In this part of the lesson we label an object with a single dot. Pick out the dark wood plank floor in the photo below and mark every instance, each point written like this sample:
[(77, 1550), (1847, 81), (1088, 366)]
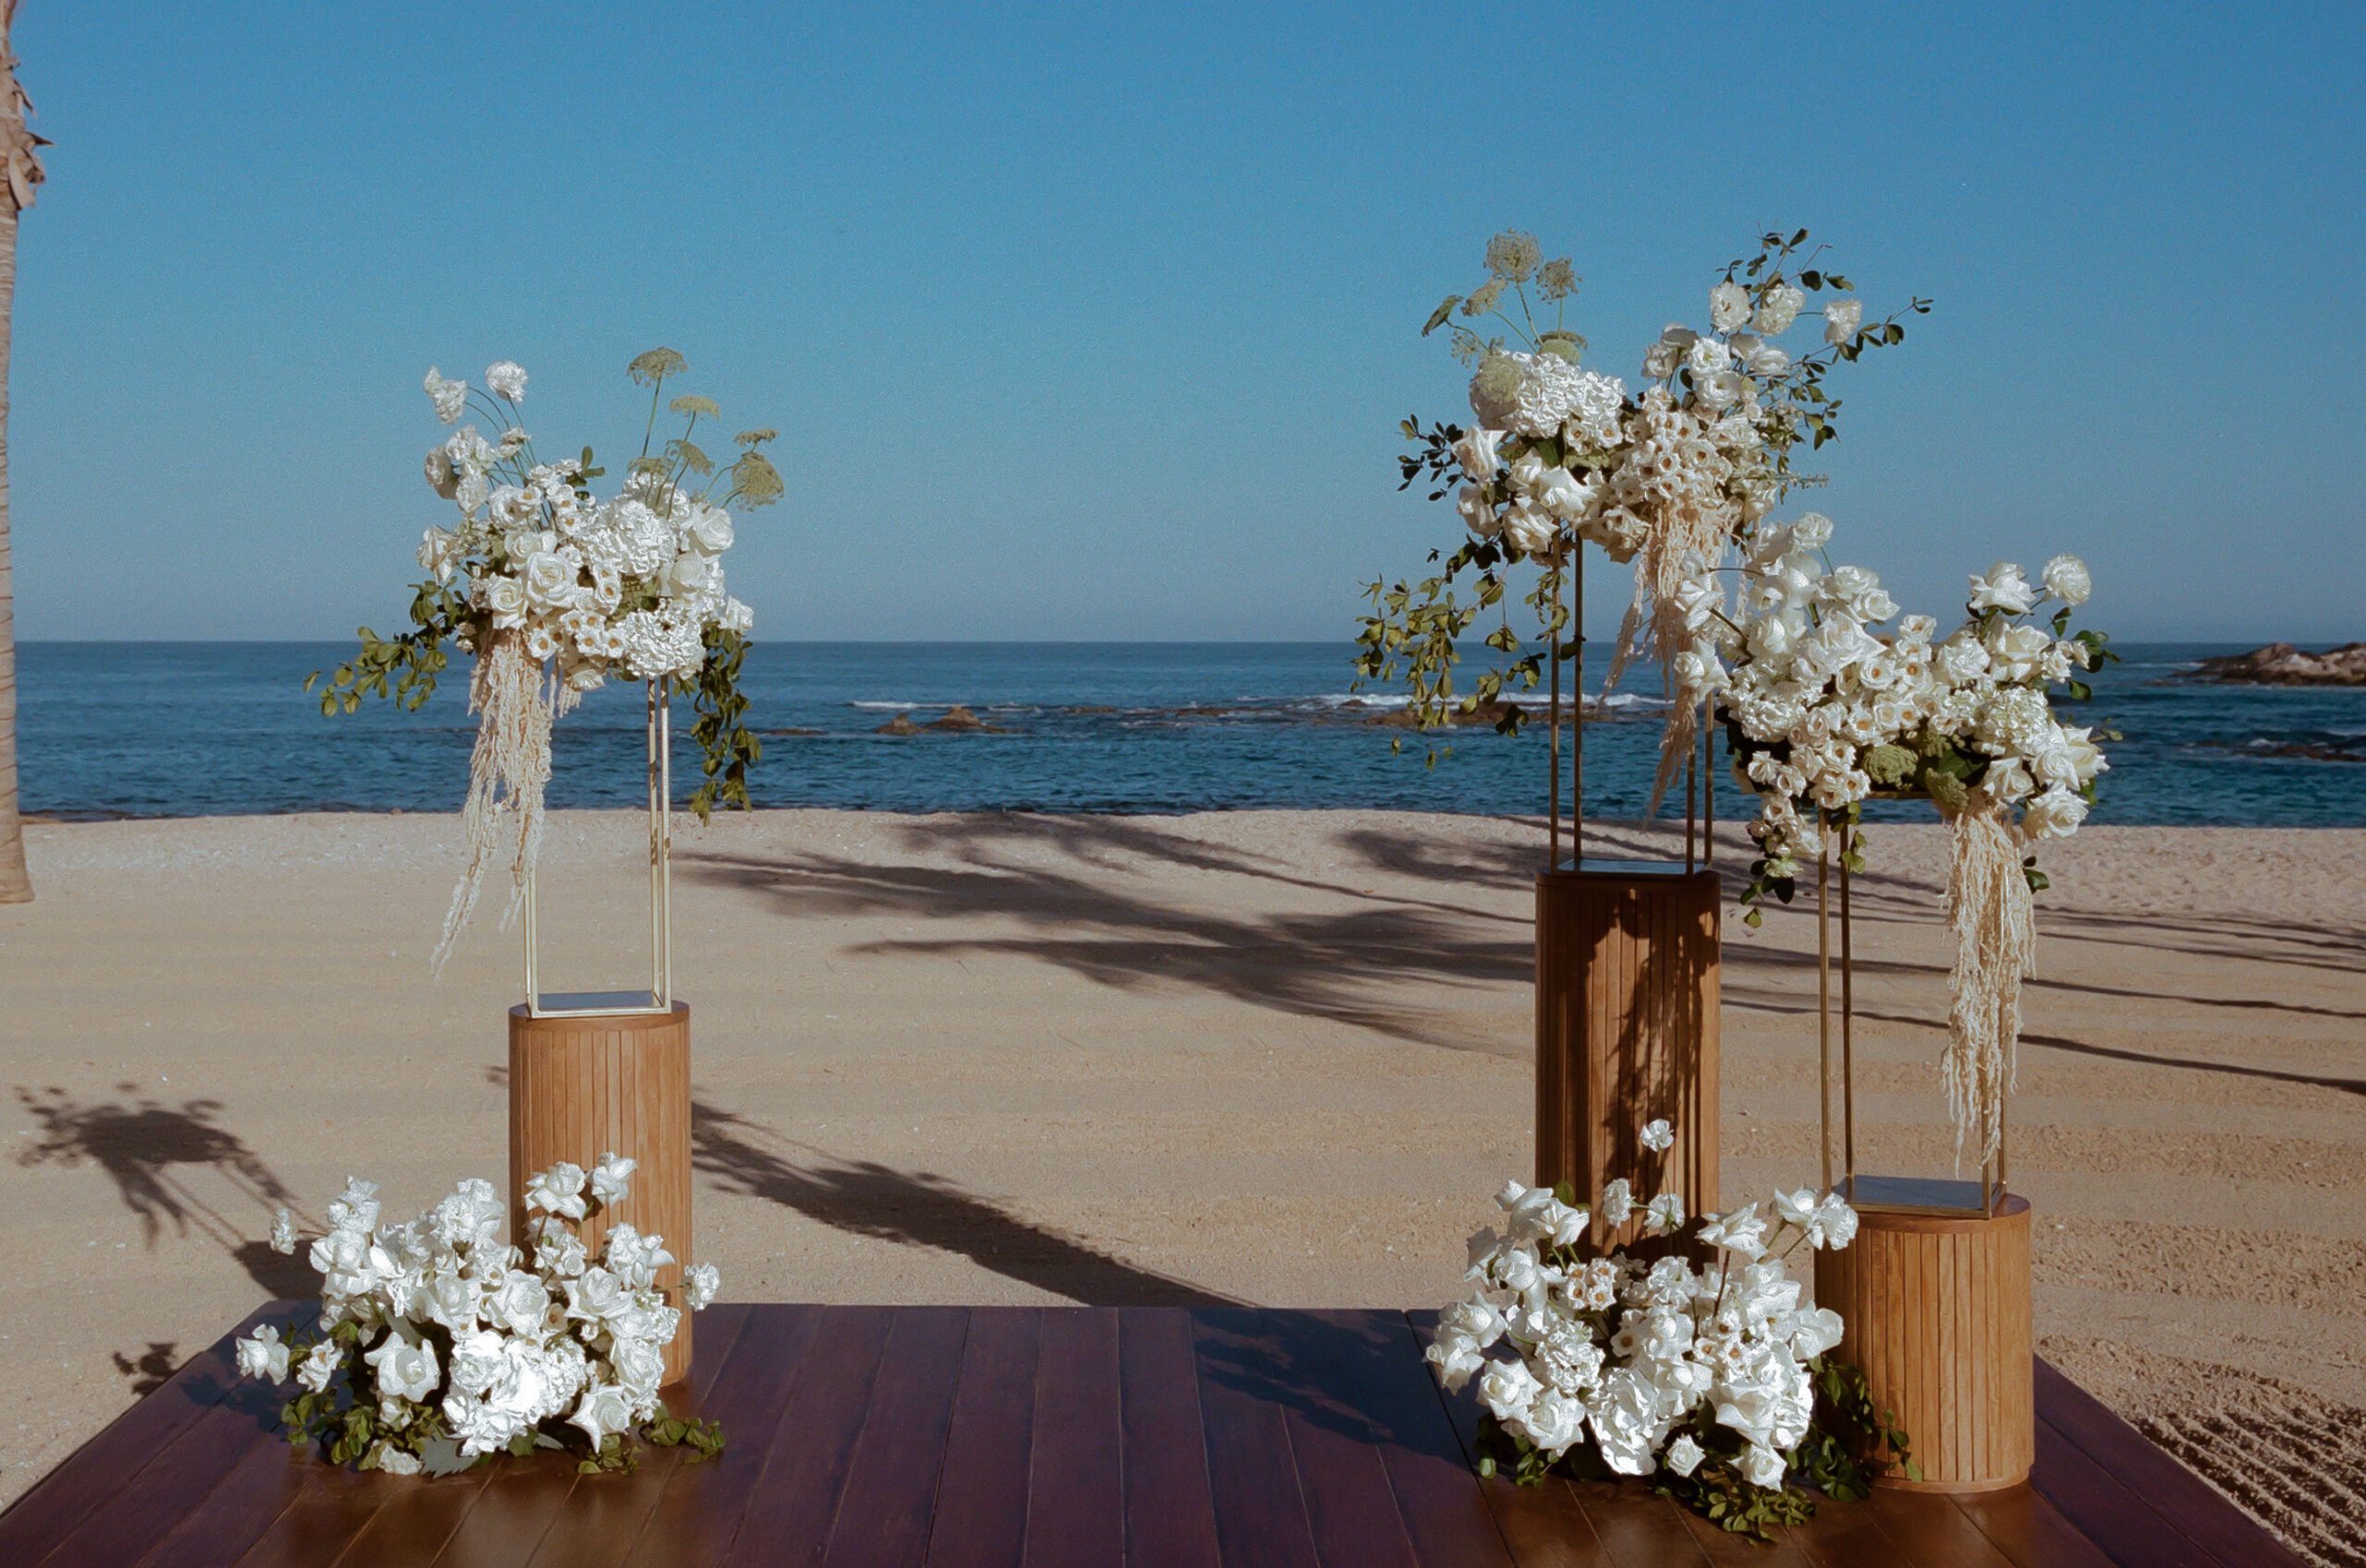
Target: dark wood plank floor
[(1026, 1438)]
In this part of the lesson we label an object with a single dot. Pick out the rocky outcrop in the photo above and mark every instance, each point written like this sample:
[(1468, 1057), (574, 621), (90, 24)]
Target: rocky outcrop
[(2280, 663), (956, 720)]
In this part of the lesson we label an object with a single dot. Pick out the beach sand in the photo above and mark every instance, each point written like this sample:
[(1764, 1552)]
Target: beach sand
[(1273, 1057)]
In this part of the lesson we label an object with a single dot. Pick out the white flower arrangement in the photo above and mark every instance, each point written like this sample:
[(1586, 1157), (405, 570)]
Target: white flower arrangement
[(453, 1348), (1825, 707), (1716, 1379), (1560, 456), (555, 591)]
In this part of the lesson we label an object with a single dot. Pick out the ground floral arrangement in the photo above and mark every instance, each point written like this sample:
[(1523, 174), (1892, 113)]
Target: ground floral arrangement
[(437, 1348), (554, 592), (1559, 455), (1713, 1380), (1825, 707)]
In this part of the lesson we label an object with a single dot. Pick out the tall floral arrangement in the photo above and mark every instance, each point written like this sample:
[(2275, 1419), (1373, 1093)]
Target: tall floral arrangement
[(554, 591), (439, 1343), (1715, 1378), (1663, 475), (1830, 697)]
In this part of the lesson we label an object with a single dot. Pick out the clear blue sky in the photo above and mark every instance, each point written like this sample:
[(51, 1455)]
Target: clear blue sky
[(1096, 323)]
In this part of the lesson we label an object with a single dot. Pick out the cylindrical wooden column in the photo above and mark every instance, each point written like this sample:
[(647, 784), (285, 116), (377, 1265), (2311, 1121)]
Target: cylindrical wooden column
[(1935, 1309), (1627, 987), (581, 1087)]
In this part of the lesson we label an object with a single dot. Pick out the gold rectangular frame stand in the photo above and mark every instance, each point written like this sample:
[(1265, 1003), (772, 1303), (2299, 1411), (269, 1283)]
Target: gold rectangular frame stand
[(659, 997), (1889, 1195)]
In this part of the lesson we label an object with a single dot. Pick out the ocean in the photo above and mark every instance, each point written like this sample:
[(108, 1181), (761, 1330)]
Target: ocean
[(165, 729)]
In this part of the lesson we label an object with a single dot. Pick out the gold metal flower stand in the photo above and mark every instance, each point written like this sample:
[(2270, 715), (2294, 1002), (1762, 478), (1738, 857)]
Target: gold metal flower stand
[(1626, 994), (592, 1072), (1933, 1294)]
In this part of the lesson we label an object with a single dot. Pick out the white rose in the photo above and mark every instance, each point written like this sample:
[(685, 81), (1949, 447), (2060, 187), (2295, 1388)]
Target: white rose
[(1456, 1358), (1841, 319), (1665, 1215), (1561, 494), (1479, 512), (319, 1367), (1509, 1389), (1706, 357), (1555, 1422), (1779, 310), (2066, 579), (1812, 531), (507, 379), (605, 1409), (709, 531), (1476, 452), (521, 1304), (550, 579), (1814, 1331), (2016, 651), (442, 477), (1728, 307), (1720, 389), (1762, 1467), (596, 1295), (439, 551), (1617, 1202), (1530, 531), (558, 1190), (405, 1362), (394, 1460), (1657, 1135), (1683, 1456), (2054, 814), (2003, 588), (698, 1286), (736, 616), (611, 1177), (1761, 358), (262, 1355)]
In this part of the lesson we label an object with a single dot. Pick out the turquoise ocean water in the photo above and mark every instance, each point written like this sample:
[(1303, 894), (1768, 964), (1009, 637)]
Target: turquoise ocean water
[(163, 729)]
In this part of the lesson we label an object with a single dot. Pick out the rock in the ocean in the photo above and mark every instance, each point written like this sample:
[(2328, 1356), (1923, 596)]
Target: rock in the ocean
[(960, 718), (900, 724), (2280, 663)]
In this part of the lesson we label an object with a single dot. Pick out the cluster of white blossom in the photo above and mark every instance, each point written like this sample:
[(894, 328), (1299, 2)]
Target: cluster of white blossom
[(447, 1317), (1658, 1364), (1560, 453), (1832, 707), (631, 583)]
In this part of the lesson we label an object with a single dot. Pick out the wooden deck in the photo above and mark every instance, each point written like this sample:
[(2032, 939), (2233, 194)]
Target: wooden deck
[(1087, 1436)]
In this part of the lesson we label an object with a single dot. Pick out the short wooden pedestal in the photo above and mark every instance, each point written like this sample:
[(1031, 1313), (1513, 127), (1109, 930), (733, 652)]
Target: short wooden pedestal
[(580, 1088), (1936, 1310), (1627, 987)]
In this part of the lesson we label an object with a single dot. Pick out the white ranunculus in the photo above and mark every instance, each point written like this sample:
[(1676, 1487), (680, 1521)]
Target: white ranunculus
[(1730, 307), (507, 379), (450, 397), (1707, 357), (2066, 579), (405, 1362), (2003, 587), (2056, 813), (1841, 319), (261, 1355)]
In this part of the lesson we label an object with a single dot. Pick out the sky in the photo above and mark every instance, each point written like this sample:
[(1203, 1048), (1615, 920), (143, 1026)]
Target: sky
[(1097, 323)]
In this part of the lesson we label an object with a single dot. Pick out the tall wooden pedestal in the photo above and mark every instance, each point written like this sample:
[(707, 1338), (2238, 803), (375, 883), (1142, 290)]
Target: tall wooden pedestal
[(582, 1087), (1627, 987), (1936, 1310)]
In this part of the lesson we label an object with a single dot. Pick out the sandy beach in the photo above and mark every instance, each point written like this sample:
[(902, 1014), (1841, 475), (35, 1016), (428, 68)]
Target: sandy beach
[(1272, 1057)]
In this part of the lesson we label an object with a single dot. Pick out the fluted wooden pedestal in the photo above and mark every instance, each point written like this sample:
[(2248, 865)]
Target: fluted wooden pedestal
[(1936, 1310), (580, 1088), (1627, 987)]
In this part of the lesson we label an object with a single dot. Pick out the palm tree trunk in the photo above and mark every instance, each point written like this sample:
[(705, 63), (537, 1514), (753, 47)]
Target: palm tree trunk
[(22, 173)]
